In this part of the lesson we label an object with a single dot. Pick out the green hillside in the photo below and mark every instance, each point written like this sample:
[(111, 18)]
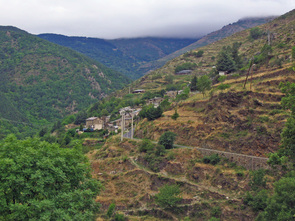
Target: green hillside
[(124, 55), (44, 81)]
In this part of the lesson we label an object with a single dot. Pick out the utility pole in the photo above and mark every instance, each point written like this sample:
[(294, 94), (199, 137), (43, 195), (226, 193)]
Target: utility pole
[(250, 66), (122, 124), (132, 126)]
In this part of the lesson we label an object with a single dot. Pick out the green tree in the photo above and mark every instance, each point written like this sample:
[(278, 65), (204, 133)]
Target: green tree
[(168, 79), (150, 112), (80, 118), (235, 54), (204, 84), (281, 205), (168, 196), (104, 113), (225, 62), (167, 139), (286, 154), (193, 85), (293, 53), (111, 210), (41, 181), (175, 115), (255, 33), (199, 53)]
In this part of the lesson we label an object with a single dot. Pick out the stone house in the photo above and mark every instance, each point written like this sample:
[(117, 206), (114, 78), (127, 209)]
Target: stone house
[(95, 123), (171, 94), (156, 101)]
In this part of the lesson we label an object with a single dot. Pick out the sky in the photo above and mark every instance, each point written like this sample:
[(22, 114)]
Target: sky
[(133, 18)]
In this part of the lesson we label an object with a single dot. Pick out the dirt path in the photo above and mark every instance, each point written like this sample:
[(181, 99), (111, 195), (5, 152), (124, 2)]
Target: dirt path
[(199, 186)]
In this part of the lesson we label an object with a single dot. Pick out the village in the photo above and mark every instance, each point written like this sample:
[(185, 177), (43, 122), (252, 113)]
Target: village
[(128, 115)]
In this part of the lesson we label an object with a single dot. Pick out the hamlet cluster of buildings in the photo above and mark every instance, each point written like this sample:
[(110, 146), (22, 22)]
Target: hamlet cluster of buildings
[(101, 123)]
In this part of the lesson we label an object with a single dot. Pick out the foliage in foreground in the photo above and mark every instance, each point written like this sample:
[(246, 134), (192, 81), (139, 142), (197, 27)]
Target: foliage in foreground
[(41, 181)]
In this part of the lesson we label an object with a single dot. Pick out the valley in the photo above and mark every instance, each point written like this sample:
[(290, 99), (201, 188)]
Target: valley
[(213, 126)]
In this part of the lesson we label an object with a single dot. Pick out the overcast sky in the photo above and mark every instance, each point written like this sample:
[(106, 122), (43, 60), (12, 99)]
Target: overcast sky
[(133, 18)]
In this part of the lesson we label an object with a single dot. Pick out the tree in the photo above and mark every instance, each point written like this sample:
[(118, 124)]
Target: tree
[(175, 115), (255, 33), (80, 118), (204, 84), (281, 205), (150, 112), (293, 53), (168, 197), (193, 85), (199, 53), (225, 62), (287, 148), (167, 139), (41, 181)]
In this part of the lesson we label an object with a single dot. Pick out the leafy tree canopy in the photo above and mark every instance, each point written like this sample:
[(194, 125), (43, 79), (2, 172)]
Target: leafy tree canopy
[(255, 33), (167, 139), (204, 84), (168, 197), (281, 205), (225, 60), (41, 181), (150, 112)]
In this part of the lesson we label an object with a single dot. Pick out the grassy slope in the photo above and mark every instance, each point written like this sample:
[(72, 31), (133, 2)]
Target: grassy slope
[(240, 120), (236, 119)]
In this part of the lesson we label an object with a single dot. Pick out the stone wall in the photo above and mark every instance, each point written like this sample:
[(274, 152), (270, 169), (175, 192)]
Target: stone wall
[(247, 161)]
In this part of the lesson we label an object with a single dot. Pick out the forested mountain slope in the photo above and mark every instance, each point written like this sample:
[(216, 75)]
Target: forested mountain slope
[(124, 55), (42, 82)]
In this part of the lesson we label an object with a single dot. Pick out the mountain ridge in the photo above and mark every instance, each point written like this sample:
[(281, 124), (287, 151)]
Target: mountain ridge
[(123, 54), (45, 81)]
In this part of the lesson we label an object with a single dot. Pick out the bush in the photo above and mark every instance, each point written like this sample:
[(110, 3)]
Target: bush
[(168, 197), (212, 159), (111, 210), (167, 139), (221, 78), (175, 115), (119, 217), (255, 33), (150, 112), (216, 211), (223, 86), (256, 202), (146, 146), (258, 180)]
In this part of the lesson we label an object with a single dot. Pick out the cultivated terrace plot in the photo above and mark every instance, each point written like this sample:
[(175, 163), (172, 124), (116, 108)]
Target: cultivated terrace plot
[(132, 181)]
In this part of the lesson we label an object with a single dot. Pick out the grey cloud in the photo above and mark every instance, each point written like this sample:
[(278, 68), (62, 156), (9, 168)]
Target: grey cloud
[(133, 18)]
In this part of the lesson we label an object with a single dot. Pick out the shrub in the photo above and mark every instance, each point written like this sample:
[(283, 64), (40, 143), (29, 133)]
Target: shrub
[(212, 159), (255, 33), (257, 179), (150, 112), (146, 145), (216, 211), (175, 115), (256, 202), (119, 217), (168, 197), (167, 139), (111, 210), (223, 86), (221, 78)]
